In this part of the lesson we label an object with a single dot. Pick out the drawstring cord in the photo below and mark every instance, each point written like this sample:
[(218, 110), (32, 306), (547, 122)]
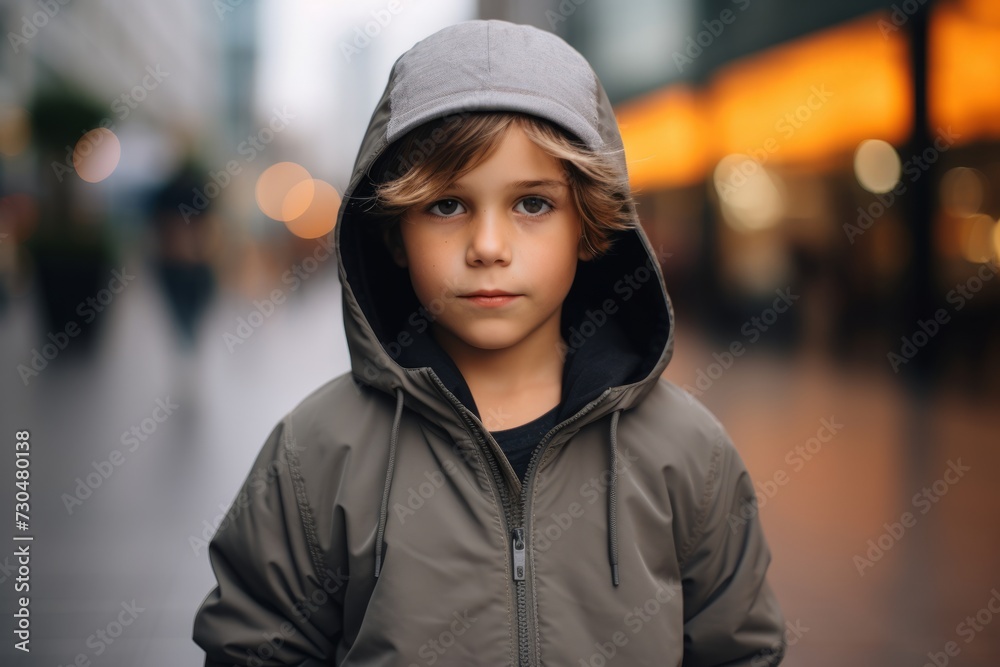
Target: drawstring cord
[(613, 501), (388, 481), (612, 492)]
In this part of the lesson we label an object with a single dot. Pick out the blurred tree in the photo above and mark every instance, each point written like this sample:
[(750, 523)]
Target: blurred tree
[(72, 249)]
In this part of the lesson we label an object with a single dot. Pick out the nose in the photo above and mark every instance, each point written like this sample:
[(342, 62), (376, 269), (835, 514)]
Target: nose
[(489, 240)]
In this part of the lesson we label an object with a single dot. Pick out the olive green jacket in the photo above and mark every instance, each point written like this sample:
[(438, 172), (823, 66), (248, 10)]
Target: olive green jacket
[(381, 523)]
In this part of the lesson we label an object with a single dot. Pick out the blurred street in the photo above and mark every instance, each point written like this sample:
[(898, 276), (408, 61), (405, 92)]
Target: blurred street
[(137, 535), (818, 180), (137, 538)]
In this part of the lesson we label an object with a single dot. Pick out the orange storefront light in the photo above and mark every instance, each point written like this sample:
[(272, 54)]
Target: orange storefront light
[(666, 139), (964, 64), (810, 101)]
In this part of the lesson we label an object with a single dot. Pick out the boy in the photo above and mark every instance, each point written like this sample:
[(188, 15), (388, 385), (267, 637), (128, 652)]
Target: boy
[(504, 478)]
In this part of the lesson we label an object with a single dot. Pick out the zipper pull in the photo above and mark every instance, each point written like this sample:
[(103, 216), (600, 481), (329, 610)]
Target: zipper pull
[(517, 544)]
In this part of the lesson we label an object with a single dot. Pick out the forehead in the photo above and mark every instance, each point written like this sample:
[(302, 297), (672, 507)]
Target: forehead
[(516, 160)]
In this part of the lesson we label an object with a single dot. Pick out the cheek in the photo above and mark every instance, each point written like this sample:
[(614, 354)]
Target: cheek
[(556, 257), (425, 278), (427, 264)]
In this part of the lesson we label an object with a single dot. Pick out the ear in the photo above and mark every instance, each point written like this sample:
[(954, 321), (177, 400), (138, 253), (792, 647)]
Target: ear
[(394, 244), (583, 252)]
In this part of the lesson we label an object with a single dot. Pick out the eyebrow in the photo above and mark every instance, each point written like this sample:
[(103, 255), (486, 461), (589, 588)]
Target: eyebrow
[(549, 183), (523, 185)]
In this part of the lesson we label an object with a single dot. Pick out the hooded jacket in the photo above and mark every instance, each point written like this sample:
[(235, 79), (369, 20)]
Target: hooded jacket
[(381, 523)]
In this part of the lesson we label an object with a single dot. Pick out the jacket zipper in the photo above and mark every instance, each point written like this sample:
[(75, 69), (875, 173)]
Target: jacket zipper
[(523, 511), (500, 485), (514, 516)]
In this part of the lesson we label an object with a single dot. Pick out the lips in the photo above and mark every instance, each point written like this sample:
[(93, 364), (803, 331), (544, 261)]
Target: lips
[(489, 292), (490, 298)]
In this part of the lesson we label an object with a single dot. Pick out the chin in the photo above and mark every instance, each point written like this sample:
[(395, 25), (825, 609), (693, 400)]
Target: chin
[(488, 342), (491, 337)]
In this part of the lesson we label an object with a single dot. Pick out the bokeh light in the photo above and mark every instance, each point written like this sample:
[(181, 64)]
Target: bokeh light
[(877, 165), (298, 199), (274, 186), (962, 191), (310, 209), (97, 154), (749, 195), (979, 238), (15, 130)]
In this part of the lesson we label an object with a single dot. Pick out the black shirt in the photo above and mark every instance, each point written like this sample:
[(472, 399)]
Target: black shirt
[(604, 359), (519, 443)]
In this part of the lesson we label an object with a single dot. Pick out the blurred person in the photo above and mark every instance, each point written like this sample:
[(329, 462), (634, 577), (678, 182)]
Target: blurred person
[(504, 477), (185, 239)]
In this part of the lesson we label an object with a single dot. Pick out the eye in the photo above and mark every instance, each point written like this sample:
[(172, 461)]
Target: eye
[(446, 208), (533, 206)]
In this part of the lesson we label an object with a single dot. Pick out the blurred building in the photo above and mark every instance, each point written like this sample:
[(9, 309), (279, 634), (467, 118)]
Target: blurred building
[(849, 149)]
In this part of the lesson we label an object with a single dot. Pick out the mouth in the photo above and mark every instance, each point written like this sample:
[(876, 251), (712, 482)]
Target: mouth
[(489, 292), (490, 298)]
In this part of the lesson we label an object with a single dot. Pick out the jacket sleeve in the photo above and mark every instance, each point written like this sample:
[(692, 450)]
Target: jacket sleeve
[(731, 616), (275, 602)]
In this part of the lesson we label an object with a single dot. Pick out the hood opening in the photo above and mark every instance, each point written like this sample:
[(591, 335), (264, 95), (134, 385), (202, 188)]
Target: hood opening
[(616, 322)]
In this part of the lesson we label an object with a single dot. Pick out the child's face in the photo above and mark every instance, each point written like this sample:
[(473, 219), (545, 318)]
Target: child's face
[(495, 230)]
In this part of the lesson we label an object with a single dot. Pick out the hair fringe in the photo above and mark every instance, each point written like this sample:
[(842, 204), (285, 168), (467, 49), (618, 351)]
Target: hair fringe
[(436, 154)]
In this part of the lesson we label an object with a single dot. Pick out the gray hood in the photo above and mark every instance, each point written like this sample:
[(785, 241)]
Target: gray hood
[(617, 319)]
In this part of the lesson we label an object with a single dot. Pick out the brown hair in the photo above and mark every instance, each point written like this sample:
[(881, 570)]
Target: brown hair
[(436, 154)]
